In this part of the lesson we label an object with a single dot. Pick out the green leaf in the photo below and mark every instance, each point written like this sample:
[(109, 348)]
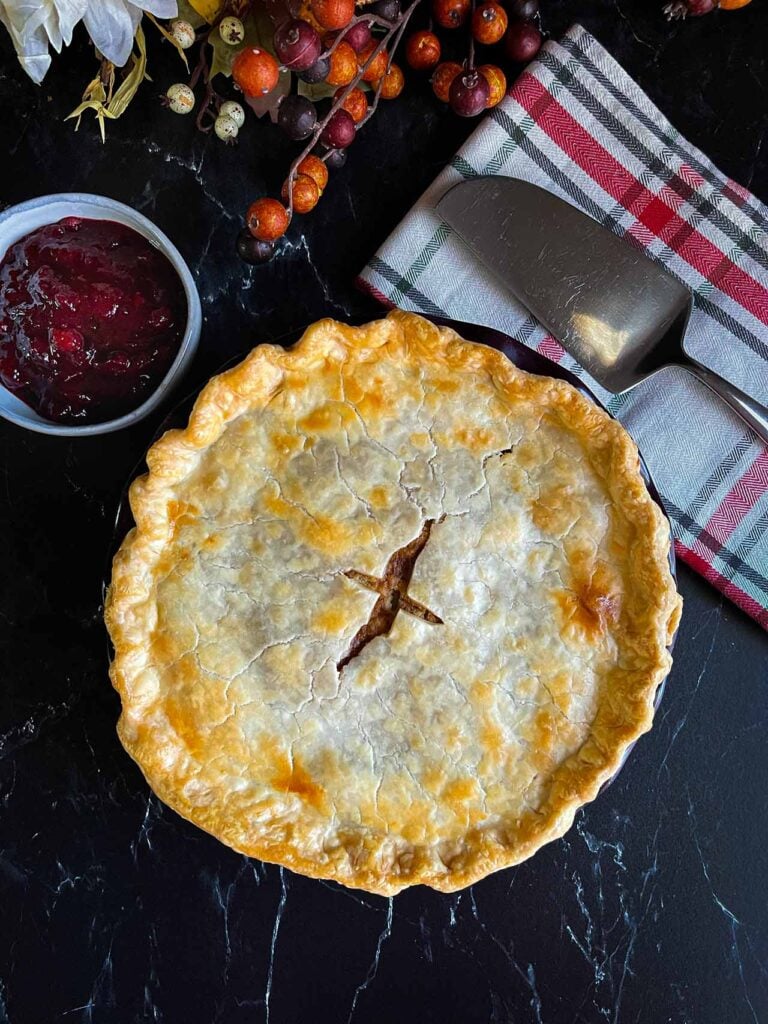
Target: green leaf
[(316, 90)]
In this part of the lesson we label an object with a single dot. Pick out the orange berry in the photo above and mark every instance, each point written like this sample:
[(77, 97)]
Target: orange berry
[(255, 71), (450, 13), (392, 84), (422, 51), (489, 23), (333, 14), (305, 193), (315, 169), (355, 104), (497, 82), (442, 78), (377, 67), (343, 65), (733, 5), (267, 219)]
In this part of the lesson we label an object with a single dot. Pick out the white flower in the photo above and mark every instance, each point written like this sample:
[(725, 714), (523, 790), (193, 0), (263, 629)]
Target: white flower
[(111, 24)]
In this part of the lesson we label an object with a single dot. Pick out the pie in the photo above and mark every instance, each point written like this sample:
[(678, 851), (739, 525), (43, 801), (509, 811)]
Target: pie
[(392, 609)]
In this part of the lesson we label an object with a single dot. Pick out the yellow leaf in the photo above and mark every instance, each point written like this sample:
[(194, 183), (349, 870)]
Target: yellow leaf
[(174, 42), (95, 97), (211, 10), (132, 80)]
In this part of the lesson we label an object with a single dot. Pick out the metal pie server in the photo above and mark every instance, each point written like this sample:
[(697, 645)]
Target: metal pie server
[(618, 313)]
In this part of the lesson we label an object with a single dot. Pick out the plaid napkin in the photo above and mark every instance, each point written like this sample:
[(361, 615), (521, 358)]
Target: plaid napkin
[(576, 124)]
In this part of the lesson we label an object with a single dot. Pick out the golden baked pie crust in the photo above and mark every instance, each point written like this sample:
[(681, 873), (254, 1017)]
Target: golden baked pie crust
[(449, 747)]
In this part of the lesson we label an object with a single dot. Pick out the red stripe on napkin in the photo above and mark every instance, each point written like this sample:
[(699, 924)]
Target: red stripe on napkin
[(650, 210)]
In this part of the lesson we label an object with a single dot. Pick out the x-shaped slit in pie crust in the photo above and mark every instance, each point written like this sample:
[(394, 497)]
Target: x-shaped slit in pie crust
[(392, 589)]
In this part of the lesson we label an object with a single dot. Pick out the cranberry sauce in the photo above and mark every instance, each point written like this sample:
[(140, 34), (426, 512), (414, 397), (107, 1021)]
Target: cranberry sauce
[(91, 317)]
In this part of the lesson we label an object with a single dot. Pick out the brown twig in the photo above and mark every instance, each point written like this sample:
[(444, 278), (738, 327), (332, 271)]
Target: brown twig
[(211, 98)]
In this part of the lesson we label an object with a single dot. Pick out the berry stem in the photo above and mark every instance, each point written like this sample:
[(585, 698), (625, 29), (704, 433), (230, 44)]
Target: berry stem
[(394, 29), (471, 55), (212, 99)]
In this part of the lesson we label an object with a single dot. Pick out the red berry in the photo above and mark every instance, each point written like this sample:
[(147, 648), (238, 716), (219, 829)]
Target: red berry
[(522, 41), (378, 66), (343, 65), (468, 94), (297, 44), (355, 104), (450, 13), (392, 83), (267, 219), (333, 13), (305, 193), (489, 23), (340, 131), (255, 71), (422, 51), (497, 82), (443, 77), (358, 36), (315, 169)]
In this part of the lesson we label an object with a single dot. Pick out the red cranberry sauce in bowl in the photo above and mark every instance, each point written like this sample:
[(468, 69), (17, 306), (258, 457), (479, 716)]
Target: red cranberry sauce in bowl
[(91, 318)]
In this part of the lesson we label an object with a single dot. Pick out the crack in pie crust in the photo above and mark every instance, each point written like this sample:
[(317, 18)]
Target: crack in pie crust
[(439, 751)]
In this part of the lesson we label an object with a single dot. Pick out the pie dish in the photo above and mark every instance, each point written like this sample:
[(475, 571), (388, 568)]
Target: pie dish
[(392, 610)]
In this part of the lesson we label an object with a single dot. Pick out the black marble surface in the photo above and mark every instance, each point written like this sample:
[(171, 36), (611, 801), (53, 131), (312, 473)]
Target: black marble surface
[(113, 909)]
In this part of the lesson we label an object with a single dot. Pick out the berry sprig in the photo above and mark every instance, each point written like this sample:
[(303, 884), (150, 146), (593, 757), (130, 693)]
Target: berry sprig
[(291, 53), (329, 137), (696, 8)]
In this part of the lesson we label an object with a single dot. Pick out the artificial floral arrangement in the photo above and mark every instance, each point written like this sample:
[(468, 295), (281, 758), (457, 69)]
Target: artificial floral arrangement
[(317, 68)]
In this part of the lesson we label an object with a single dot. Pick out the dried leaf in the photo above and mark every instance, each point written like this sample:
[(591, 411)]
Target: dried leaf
[(173, 41), (106, 105), (133, 79), (268, 104), (316, 90), (210, 10)]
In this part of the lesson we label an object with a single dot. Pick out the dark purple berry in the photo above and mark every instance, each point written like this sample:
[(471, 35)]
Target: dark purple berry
[(297, 45), (389, 10), (358, 36), (318, 72), (297, 116), (526, 10), (336, 159), (253, 250), (468, 94), (340, 131), (694, 8), (522, 41)]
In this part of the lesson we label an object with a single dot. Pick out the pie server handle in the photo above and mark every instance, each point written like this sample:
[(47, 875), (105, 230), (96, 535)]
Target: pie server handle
[(753, 413)]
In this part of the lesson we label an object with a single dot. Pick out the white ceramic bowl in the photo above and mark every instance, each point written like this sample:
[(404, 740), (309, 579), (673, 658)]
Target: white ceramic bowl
[(18, 221)]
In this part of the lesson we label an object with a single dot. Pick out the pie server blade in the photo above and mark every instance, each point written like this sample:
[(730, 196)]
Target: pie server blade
[(620, 315)]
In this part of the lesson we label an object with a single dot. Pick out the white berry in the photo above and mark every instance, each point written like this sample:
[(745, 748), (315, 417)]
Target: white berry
[(183, 33), (233, 110), (232, 30), (225, 127), (181, 99)]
